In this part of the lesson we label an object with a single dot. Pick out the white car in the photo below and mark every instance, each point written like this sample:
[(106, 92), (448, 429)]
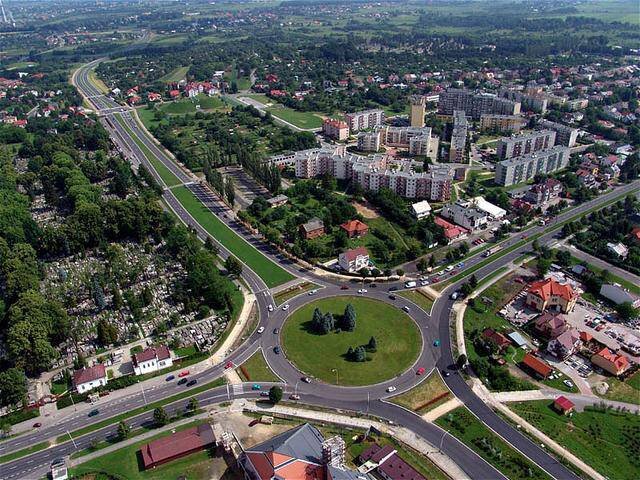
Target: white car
[(270, 308), (285, 307), (568, 383), (261, 329), (362, 290), (313, 292), (391, 389)]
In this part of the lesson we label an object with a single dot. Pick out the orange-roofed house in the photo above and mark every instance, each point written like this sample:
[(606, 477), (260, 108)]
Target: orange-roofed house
[(611, 362), (536, 366), (355, 228), (563, 405), (177, 445), (551, 294), (635, 234), (336, 129)]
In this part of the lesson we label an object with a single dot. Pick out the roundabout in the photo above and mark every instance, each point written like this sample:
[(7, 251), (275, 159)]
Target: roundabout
[(326, 355)]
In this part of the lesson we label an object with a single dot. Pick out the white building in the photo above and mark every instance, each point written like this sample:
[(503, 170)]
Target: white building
[(466, 214), (152, 359), (364, 120), (369, 141), (494, 211), (619, 249), (421, 209), (618, 295), (87, 379), (353, 260)]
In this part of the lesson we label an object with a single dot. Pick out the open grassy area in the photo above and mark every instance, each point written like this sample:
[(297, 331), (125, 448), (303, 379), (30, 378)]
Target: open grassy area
[(189, 105), (271, 273), (175, 75), (294, 291), (255, 369), (608, 441), (299, 119), (469, 430), (126, 463), (426, 396), (398, 342), (627, 391), (99, 84), (419, 298)]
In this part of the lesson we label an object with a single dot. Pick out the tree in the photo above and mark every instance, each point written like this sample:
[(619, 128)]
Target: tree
[(543, 266), (432, 261), (626, 311), (349, 318), (373, 344), (350, 354), (422, 265), (160, 417), (233, 266), (229, 191), (275, 394), (192, 406), (107, 332), (123, 430), (328, 322), (360, 354), (563, 257), (473, 281), (462, 360), (316, 320), (13, 387)]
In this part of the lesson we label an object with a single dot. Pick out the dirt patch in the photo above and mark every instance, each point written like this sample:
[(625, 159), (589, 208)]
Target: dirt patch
[(250, 435), (366, 210)]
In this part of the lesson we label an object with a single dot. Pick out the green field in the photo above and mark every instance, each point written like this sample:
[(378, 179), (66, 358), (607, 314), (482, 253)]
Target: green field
[(257, 370), (126, 463), (270, 273), (188, 105), (320, 355), (469, 430), (175, 75), (424, 397), (299, 119), (419, 299), (627, 391), (609, 441)]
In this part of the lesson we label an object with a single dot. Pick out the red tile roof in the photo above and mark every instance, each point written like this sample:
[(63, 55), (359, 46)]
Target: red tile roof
[(563, 403), (451, 231), (548, 287), (499, 339), (354, 227), (537, 365), (635, 233), (160, 352), (177, 445), (351, 255), (620, 361), (89, 374)]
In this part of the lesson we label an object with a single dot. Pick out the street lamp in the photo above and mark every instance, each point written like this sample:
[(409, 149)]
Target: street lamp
[(335, 370)]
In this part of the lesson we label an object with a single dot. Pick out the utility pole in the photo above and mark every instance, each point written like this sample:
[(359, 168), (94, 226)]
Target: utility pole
[(143, 395)]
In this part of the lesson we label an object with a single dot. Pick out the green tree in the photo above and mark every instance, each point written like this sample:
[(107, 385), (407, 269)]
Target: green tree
[(107, 332), (349, 319), (193, 405), (461, 361), (123, 430), (432, 261), (275, 394), (13, 387), (360, 354), (473, 281), (373, 344), (422, 265), (229, 191), (563, 257), (233, 266), (160, 417), (626, 311), (350, 354)]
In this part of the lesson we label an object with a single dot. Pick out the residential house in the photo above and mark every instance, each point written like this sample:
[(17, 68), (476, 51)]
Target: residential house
[(536, 366), (551, 294), (610, 362), (154, 97), (178, 444), (550, 325), (314, 228), (498, 339), (451, 232), (563, 405), (635, 235), (151, 359), (278, 200), (542, 193), (88, 378), (565, 344), (465, 214), (354, 260), (619, 249), (387, 464), (421, 209), (355, 228)]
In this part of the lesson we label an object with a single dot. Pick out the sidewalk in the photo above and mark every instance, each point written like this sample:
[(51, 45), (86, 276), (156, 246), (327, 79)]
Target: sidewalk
[(580, 400), (406, 436), (243, 319)]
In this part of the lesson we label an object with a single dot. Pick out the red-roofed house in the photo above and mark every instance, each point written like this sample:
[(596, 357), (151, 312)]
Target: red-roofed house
[(550, 325), (563, 405), (635, 234), (89, 378), (154, 97), (611, 362), (355, 228), (538, 367), (549, 293), (152, 359), (387, 464), (451, 232), (354, 259), (176, 445), (564, 344), (174, 93), (498, 339)]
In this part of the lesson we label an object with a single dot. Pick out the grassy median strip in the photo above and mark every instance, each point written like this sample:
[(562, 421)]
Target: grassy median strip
[(270, 272), (24, 452), (167, 176), (137, 411)]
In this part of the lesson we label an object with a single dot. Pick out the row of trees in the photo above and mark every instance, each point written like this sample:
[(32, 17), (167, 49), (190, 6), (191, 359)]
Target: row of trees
[(325, 323)]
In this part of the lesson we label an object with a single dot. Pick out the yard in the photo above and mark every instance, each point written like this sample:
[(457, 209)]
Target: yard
[(608, 441), (324, 356), (627, 391), (175, 75), (426, 396)]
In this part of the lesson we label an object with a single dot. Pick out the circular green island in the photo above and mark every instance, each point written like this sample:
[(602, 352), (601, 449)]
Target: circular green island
[(364, 344)]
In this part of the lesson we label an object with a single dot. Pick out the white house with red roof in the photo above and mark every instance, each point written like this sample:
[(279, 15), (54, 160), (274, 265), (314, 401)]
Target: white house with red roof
[(551, 294), (611, 362), (353, 260), (151, 359), (88, 378)]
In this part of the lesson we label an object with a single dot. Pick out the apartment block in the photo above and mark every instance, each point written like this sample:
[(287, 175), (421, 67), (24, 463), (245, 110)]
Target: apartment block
[(458, 137), (534, 101), (369, 141), (502, 123), (520, 169), (336, 129), (418, 110), (364, 120), (519, 145), (565, 135), (475, 104)]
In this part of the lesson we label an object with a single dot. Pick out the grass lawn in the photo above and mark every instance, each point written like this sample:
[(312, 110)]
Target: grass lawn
[(607, 441), (188, 105), (25, 451), (126, 463), (175, 75), (317, 355), (165, 174), (426, 396), (185, 351), (469, 430), (99, 84), (271, 273), (627, 391), (299, 119), (419, 298), (294, 291), (255, 369)]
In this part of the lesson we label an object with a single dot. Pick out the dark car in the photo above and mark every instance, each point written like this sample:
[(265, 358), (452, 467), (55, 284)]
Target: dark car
[(182, 381), (276, 331), (93, 413), (344, 287), (392, 296), (169, 378), (192, 383), (276, 350), (393, 289), (37, 425)]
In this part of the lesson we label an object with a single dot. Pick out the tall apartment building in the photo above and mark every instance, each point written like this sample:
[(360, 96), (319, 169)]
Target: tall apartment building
[(502, 123), (369, 141), (565, 135), (375, 172), (534, 100), (458, 137), (418, 140), (520, 169), (519, 145), (363, 120), (418, 110), (336, 129), (475, 104)]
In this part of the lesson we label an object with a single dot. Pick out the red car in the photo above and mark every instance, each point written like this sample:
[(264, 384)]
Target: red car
[(229, 365), (420, 371), (344, 287), (184, 373), (37, 425)]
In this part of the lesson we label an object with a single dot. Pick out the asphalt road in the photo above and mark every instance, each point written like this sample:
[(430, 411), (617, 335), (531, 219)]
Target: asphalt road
[(361, 399)]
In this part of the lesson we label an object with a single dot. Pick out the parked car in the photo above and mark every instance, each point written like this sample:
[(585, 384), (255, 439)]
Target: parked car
[(568, 383), (264, 394), (192, 382), (261, 329), (94, 412), (183, 373), (170, 378)]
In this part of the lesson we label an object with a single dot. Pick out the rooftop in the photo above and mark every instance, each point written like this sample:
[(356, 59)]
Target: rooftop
[(89, 374)]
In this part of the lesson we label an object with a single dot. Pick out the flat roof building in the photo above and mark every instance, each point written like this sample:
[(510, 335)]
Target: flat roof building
[(521, 169)]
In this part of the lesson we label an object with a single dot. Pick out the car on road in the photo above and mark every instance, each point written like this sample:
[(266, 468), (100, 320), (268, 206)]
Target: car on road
[(313, 292), (261, 329), (192, 383), (424, 283), (420, 371), (294, 397), (264, 394), (406, 308), (285, 307), (229, 365), (182, 381), (453, 272), (183, 373), (37, 425), (169, 378), (393, 289), (445, 373), (392, 297), (344, 287), (270, 308), (306, 379), (362, 291), (94, 412), (436, 343), (256, 386), (276, 350), (449, 268), (391, 389), (276, 331), (460, 265)]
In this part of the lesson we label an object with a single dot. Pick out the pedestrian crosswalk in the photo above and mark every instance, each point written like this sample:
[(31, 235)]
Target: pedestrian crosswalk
[(238, 389)]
